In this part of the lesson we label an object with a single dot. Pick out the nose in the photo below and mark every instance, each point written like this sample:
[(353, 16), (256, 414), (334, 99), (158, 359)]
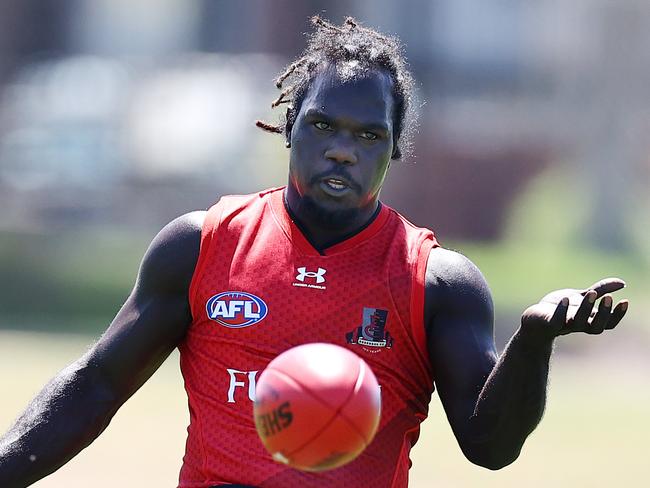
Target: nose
[(341, 152)]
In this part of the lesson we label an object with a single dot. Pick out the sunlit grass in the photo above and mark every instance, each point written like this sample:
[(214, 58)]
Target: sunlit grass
[(594, 433)]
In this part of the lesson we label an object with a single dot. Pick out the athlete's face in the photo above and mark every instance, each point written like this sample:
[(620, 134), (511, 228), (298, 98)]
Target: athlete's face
[(341, 146)]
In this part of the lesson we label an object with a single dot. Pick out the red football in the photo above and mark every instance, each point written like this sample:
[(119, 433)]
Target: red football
[(317, 406)]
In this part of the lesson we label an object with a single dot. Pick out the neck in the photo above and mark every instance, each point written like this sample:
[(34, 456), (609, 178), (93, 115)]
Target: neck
[(324, 230)]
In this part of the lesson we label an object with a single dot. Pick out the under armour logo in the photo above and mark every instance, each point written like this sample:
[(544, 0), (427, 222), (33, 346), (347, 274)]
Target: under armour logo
[(319, 275)]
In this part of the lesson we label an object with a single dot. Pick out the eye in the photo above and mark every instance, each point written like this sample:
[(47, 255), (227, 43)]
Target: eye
[(371, 136), (322, 125)]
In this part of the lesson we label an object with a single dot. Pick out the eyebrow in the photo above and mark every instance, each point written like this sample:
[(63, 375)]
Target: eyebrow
[(314, 113)]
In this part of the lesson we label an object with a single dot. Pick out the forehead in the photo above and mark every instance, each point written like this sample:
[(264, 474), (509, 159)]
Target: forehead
[(368, 96)]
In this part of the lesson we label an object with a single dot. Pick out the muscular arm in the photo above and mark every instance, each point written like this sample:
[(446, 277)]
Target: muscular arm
[(78, 404), (493, 403)]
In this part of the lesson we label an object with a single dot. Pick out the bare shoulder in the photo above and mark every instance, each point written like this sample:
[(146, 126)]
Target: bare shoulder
[(156, 315), (454, 283), (169, 262)]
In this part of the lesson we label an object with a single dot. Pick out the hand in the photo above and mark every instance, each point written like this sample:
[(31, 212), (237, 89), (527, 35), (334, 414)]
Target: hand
[(566, 311)]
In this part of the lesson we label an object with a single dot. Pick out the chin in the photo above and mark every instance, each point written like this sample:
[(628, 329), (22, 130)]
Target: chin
[(328, 215)]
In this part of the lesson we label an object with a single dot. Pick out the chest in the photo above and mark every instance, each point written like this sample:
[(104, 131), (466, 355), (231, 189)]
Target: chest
[(275, 285), (260, 292)]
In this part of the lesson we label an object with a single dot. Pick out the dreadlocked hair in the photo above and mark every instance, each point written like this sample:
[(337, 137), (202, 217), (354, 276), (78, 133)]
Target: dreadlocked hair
[(357, 50)]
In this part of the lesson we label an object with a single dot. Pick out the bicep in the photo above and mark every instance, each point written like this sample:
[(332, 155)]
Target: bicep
[(142, 335), (155, 316), (460, 333)]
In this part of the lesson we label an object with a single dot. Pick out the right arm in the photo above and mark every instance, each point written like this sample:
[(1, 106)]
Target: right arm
[(78, 404), (494, 402)]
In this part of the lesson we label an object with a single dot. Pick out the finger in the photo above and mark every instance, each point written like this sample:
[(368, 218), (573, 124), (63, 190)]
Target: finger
[(602, 316), (617, 315), (581, 317), (558, 320), (606, 285)]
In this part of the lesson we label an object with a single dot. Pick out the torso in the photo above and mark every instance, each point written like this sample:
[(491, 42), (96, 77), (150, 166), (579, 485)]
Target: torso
[(287, 293)]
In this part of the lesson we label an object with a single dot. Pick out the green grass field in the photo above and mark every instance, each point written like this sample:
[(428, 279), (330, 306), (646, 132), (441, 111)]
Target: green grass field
[(595, 432)]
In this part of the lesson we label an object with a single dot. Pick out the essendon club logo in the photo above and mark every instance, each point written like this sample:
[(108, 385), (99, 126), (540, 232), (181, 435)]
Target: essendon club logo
[(236, 309), (372, 333)]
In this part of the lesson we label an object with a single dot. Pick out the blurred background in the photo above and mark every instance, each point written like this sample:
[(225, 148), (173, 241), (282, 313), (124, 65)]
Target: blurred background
[(532, 157)]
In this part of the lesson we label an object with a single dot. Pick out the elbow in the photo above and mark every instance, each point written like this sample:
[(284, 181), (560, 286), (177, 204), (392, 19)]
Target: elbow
[(491, 463), (493, 448), (491, 457), (104, 403)]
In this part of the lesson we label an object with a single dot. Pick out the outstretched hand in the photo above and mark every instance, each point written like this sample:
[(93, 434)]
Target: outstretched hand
[(570, 310)]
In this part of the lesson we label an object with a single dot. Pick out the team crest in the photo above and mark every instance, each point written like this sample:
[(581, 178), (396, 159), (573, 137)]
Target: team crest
[(236, 309), (371, 334)]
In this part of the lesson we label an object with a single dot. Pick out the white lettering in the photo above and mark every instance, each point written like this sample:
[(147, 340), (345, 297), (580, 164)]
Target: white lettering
[(251, 385), (229, 310), (248, 311), (234, 307), (219, 310), (250, 375)]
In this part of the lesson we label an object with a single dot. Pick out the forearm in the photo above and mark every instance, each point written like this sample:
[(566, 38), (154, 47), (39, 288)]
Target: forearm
[(511, 403), (65, 417)]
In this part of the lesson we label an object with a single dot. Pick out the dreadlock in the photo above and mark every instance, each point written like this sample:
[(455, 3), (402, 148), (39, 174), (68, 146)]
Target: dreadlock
[(358, 46)]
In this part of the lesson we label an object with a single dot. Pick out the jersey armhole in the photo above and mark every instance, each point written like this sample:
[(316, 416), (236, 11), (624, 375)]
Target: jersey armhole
[(208, 234), (417, 298)]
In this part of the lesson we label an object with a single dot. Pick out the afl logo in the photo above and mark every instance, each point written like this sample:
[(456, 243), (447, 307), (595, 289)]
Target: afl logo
[(236, 309)]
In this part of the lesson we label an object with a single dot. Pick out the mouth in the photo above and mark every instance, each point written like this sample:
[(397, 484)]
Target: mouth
[(335, 186), (336, 183)]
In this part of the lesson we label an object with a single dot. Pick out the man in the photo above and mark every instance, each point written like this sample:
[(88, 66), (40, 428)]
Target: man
[(321, 260)]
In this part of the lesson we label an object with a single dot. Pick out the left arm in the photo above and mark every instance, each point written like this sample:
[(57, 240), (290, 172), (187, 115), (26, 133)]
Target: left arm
[(493, 403)]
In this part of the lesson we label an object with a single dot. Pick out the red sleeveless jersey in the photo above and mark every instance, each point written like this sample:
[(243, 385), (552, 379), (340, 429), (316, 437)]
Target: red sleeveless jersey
[(260, 288)]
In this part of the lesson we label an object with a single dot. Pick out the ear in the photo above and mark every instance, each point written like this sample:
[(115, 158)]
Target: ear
[(397, 150)]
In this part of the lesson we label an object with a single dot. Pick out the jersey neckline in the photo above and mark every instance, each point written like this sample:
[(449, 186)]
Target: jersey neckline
[(295, 234)]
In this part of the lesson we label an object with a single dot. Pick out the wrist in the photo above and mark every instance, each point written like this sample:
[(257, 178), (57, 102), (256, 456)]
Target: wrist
[(531, 340)]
